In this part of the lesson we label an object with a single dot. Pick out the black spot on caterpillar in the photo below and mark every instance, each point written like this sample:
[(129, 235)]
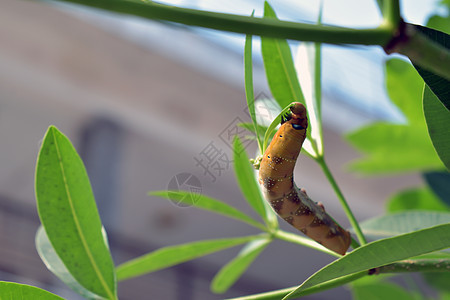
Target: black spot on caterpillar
[(289, 202)]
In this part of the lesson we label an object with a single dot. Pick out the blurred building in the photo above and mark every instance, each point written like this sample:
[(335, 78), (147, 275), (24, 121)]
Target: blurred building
[(139, 115)]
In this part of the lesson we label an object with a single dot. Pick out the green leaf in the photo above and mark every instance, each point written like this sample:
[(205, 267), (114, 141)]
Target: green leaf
[(308, 64), (248, 74), (397, 147), (439, 182), (439, 85), (245, 175), (380, 253), (379, 291), (279, 294), (69, 215), (231, 272), (438, 122), (393, 148), (271, 129), (416, 198), (260, 130), (17, 291), (440, 23), (52, 261), (435, 255), (173, 255), (207, 203), (279, 66), (403, 222), (405, 88), (438, 280)]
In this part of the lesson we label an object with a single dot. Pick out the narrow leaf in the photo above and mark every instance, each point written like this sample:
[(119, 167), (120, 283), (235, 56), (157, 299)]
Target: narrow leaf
[(248, 74), (207, 203), (438, 122), (380, 253), (403, 222), (279, 66), (247, 182), (173, 255), (69, 215), (281, 74), (270, 130), (231, 272), (17, 291), (308, 65)]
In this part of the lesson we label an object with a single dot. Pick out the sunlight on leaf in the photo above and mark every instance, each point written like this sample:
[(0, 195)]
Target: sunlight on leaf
[(69, 215), (306, 65), (52, 261)]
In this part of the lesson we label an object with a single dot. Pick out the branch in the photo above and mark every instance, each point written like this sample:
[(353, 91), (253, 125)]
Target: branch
[(419, 265), (420, 49), (244, 24), (393, 34)]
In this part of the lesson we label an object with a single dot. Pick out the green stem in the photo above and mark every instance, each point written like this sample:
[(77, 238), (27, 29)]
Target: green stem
[(321, 161), (279, 294), (419, 265), (244, 24), (294, 238), (391, 14)]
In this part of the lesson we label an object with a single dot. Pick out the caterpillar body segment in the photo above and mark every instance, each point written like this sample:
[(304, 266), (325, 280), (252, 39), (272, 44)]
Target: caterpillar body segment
[(289, 202)]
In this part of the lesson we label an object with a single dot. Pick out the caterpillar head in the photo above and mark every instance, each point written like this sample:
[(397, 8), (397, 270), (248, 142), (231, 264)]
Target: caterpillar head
[(297, 117)]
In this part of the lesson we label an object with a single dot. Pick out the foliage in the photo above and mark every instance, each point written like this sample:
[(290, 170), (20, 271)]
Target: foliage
[(74, 246)]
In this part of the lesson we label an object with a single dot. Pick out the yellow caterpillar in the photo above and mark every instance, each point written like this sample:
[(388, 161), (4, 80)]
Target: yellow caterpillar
[(289, 202)]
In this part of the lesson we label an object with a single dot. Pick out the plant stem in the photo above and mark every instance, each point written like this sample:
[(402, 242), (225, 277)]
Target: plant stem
[(321, 161), (294, 238), (391, 14), (382, 36), (420, 265), (279, 294), (421, 50), (244, 24)]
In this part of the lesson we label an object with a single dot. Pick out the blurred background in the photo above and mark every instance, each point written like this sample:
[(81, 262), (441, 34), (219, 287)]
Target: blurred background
[(145, 101)]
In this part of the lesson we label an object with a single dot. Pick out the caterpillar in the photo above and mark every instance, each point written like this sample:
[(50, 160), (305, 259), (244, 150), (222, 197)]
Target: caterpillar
[(288, 201)]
